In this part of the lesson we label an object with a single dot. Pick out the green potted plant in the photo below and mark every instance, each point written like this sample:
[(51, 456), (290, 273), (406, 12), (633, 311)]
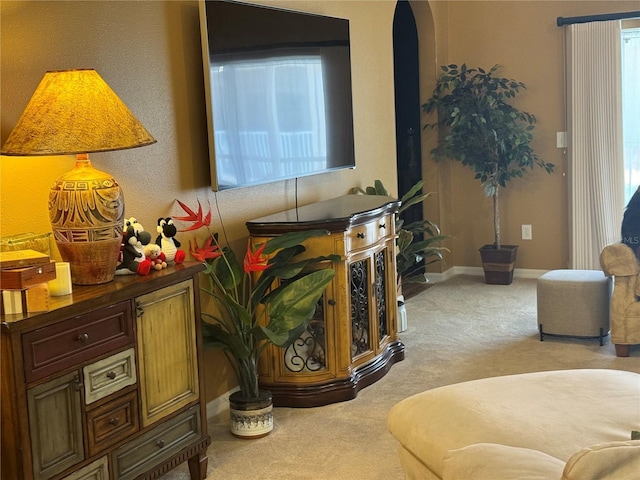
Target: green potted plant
[(253, 311), (482, 130), (418, 243)]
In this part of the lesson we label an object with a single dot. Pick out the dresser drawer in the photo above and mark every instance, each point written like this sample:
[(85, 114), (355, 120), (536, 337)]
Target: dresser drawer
[(157, 445), (68, 343), (112, 422), (109, 375), (98, 470), (365, 235)]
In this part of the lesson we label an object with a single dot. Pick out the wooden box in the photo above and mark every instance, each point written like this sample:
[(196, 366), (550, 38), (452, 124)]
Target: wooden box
[(21, 278), (22, 258)]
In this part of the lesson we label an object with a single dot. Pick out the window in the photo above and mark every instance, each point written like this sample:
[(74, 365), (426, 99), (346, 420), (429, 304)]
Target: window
[(631, 110)]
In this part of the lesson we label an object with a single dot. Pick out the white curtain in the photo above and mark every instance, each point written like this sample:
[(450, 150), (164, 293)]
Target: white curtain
[(631, 110), (596, 190)]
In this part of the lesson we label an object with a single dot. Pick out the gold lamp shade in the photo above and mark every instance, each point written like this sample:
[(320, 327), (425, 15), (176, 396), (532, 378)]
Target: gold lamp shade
[(75, 112)]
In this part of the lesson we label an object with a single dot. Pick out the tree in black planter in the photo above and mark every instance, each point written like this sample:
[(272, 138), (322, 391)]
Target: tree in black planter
[(483, 131)]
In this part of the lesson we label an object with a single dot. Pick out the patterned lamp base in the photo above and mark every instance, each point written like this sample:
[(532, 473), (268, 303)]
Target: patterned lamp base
[(86, 209)]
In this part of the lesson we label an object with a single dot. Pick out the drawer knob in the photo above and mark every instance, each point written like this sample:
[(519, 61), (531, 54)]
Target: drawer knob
[(111, 375), (331, 302), (360, 235), (383, 225), (114, 421), (83, 337), (160, 443)]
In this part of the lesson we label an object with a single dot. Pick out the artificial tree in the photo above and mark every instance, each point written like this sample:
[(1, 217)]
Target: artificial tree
[(482, 130)]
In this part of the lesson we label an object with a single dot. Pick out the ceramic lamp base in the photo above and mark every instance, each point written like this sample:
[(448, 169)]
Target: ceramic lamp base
[(86, 209), (92, 263)]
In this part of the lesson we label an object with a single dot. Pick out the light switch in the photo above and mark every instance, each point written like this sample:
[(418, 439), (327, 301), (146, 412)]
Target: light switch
[(561, 139)]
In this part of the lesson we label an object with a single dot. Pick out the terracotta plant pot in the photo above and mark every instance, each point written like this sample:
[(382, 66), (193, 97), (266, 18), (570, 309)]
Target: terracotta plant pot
[(251, 418), (498, 264)]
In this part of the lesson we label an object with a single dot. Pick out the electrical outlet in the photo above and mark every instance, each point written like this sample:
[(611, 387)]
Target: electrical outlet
[(526, 232)]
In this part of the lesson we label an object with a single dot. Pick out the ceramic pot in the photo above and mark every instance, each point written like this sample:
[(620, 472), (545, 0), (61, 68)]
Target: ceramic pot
[(251, 418)]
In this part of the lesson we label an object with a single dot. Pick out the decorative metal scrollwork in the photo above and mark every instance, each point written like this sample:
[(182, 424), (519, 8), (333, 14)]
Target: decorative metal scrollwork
[(381, 294), (359, 279), (307, 352)]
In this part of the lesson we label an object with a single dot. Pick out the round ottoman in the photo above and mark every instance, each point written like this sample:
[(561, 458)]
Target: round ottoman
[(574, 303)]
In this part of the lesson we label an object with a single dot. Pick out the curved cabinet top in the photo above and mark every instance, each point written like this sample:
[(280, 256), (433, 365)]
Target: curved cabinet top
[(335, 215)]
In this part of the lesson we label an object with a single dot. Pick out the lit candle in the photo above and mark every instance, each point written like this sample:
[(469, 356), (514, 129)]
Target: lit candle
[(62, 284)]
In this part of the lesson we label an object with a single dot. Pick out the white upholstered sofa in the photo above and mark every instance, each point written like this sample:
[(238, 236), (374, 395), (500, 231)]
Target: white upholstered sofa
[(567, 424)]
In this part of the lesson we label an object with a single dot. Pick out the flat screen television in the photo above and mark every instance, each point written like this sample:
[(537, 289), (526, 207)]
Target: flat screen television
[(278, 93)]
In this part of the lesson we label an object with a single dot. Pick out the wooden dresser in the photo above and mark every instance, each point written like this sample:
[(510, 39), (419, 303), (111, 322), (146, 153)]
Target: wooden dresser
[(352, 341), (107, 384)]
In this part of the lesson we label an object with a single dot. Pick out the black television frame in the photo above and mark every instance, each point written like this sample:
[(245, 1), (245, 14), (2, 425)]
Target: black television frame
[(344, 147)]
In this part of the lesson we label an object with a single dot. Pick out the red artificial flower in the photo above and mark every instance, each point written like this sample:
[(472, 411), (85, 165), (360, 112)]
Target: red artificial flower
[(195, 217), (207, 251), (255, 262)]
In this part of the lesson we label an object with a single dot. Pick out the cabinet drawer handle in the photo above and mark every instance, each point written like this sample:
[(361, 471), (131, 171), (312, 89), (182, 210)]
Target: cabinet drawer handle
[(160, 443), (114, 421), (360, 235), (383, 225), (82, 338), (111, 375)]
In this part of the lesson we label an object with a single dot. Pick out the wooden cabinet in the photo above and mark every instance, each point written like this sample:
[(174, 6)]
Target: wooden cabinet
[(107, 383), (352, 340)]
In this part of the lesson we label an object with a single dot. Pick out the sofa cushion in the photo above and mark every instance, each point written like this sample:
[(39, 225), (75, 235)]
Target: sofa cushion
[(605, 461), (490, 461), (555, 412)]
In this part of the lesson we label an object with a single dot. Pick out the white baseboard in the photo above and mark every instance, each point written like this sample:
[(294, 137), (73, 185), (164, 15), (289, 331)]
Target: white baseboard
[(219, 405), (478, 271)]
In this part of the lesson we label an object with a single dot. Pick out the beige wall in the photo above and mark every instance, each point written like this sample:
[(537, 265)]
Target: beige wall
[(522, 36), (149, 53)]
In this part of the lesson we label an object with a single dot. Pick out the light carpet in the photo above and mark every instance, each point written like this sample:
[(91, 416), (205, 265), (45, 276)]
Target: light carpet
[(460, 329)]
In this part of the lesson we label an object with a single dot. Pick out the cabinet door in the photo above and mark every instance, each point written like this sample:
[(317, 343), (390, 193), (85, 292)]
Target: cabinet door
[(360, 295), (310, 357), (372, 298), (167, 355), (55, 424), (381, 295)]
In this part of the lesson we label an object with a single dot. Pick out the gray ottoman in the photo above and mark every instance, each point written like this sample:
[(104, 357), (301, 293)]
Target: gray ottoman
[(574, 303)]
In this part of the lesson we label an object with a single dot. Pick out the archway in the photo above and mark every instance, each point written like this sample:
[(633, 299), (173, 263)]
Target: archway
[(407, 101)]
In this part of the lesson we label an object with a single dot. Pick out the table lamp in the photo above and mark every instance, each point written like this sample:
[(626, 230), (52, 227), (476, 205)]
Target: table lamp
[(75, 112)]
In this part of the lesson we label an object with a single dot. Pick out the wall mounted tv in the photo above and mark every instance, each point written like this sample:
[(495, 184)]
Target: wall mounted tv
[(278, 93)]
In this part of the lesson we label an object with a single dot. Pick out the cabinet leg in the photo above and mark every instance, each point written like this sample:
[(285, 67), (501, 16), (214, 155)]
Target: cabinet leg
[(622, 350), (198, 466)]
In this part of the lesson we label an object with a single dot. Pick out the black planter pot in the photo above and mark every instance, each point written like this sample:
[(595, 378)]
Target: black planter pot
[(498, 264), (251, 417)]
